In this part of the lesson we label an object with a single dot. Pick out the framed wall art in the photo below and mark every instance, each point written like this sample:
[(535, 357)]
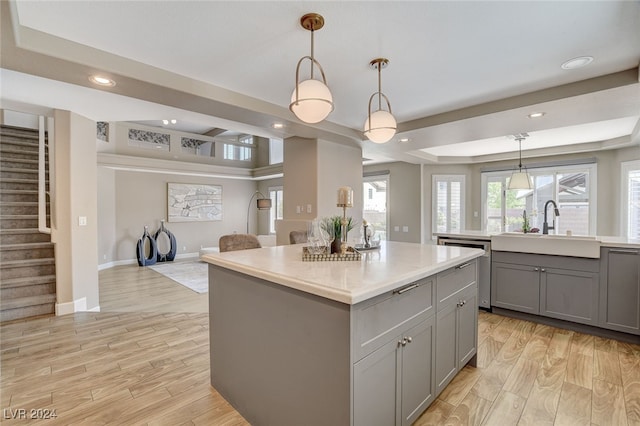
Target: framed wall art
[(190, 202)]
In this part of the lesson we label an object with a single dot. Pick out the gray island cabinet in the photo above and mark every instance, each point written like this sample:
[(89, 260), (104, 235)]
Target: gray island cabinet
[(370, 342)]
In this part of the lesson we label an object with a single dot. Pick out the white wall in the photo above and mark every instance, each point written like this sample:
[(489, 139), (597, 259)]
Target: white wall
[(140, 199), (75, 188)]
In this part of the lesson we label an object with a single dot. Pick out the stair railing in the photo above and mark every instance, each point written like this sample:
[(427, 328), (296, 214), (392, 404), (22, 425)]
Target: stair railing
[(43, 153)]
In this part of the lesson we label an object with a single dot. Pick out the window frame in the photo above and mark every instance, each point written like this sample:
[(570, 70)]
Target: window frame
[(590, 168), (437, 178), (273, 211), (378, 177), (626, 167)]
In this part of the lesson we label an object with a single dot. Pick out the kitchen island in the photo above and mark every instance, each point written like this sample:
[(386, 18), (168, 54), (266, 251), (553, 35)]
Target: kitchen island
[(342, 342)]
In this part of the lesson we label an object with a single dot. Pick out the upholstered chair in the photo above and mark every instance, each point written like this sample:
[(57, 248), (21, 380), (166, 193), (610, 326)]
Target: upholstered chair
[(235, 242), (297, 237)]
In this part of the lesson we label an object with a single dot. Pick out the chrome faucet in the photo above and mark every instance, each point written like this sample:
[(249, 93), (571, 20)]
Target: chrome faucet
[(545, 225)]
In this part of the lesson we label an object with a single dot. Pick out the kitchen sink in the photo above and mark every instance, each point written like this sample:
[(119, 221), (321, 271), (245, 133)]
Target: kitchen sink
[(558, 245)]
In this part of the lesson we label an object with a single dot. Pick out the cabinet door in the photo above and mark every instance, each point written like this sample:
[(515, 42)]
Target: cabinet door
[(467, 323), (445, 346), (620, 290), (515, 287), (569, 295), (375, 385), (417, 383)]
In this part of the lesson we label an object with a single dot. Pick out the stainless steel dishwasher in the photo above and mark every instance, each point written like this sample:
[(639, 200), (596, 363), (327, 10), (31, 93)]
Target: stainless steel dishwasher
[(484, 265)]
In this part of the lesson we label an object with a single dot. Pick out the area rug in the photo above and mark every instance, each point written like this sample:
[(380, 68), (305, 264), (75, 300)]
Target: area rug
[(193, 275)]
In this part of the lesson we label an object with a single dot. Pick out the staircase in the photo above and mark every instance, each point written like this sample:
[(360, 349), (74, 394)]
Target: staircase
[(27, 264)]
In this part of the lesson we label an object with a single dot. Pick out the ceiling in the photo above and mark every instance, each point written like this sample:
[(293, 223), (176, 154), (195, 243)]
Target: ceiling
[(462, 77)]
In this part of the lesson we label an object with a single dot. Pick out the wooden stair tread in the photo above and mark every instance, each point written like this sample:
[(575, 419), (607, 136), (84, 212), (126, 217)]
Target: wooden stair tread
[(25, 246), (27, 281), (17, 231), (23, 302), (27, 262)]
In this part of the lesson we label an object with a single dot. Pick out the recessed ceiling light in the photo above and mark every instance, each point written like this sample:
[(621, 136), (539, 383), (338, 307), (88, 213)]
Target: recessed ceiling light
[(277, 126), (536, 114), (174, 121), (403, 140), (165, 122), (102, 81), (579, 62)]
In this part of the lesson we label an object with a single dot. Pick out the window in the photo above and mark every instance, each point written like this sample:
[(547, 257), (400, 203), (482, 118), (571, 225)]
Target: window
[(631, 199), (375, 196), (276, 151), (275, 193), (569, 186), (447, 201), (239, 151)]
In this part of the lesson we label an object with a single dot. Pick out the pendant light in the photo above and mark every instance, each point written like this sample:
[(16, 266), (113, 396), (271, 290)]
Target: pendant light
[(311, 100), (380, 125), (520, 179)]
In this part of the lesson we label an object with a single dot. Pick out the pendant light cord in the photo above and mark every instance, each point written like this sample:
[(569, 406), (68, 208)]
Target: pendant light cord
[(379, 86), (312, 56), (520, 156)]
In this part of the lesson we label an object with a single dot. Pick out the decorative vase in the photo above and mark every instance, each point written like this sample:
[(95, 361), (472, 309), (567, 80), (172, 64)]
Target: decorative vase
[(336, 245)]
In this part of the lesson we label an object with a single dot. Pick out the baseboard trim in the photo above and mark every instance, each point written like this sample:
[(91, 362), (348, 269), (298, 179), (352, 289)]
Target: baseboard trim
[(108, 265), (67, 308)]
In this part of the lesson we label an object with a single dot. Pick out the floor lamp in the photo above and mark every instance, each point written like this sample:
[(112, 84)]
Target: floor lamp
[(263, 203)]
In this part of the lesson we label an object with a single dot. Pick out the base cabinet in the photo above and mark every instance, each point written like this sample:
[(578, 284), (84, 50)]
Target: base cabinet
[(620, 289), (456, 335), (404, 344), (569, 295), (554, 286), (393, 385), (515, 287)]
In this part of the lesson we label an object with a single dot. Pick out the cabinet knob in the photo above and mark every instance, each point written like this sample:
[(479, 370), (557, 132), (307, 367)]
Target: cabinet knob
[(536, 269), (409, 339), (403, 342), (543, 270)]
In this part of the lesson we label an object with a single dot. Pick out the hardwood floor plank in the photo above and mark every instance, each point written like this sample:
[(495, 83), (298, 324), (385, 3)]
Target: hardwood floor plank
[(608, 406), (522, 377), (574, 407), (540, 408), (506, 409), (437, 413), (470, 411), (490, 383), (606, 366), (580, 369), (460, 386)]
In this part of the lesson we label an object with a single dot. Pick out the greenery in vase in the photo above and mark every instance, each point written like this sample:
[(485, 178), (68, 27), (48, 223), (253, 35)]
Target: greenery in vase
[(334, 223)]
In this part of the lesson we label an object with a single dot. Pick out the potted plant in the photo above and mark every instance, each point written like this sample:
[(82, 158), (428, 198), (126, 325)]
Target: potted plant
[(333, 226)]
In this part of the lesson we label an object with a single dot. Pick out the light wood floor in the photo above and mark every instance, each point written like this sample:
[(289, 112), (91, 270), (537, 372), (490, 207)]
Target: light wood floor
[(145, 360)]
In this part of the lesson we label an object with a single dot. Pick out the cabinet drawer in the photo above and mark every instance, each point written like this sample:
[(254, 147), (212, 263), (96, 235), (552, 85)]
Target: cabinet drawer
[(453, 280), (383, 318)]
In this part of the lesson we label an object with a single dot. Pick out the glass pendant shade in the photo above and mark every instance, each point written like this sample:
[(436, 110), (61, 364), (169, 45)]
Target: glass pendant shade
[(381, 128), (314, 101), (520, 180)]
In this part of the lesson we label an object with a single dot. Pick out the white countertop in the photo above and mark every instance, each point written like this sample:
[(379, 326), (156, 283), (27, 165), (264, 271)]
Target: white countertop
[(606, 241), (393, 265)]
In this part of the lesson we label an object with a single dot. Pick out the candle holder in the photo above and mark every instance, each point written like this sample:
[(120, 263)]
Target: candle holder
[(345, 199)]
